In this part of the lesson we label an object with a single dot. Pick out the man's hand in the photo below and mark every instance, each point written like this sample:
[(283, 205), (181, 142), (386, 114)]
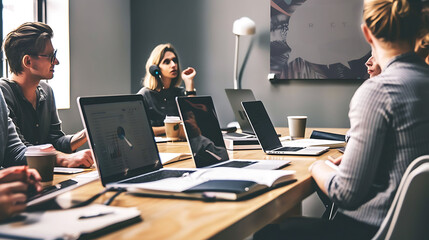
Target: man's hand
[(21, 173), (14, 184), (12, 198), (79, 159)]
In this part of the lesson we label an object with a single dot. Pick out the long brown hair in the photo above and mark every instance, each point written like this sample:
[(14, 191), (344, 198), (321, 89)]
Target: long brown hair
[(155, 57)]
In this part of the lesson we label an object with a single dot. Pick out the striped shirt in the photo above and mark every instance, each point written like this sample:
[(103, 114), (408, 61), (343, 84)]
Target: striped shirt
[(389, 128)]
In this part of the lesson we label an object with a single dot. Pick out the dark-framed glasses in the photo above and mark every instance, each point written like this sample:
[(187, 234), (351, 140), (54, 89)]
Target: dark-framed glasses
[(51, 56)]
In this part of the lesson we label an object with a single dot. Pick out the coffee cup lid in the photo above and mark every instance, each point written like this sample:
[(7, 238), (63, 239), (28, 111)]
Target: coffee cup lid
[(40, 150), (297, 117), (172, 119)]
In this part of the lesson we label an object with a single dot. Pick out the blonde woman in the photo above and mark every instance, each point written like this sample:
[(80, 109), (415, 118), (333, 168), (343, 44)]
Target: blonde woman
[(159, 92), (389, 125)]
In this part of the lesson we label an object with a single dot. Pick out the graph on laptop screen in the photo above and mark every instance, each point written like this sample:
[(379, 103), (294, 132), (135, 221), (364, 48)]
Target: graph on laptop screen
[(123, 142)]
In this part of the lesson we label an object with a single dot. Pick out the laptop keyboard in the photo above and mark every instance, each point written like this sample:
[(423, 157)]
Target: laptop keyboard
[(236, 164), (158, 176), (289, 149), (60, 186)]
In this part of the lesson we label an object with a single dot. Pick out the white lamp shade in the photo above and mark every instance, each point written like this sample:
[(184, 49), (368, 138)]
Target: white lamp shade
[(244, 26)]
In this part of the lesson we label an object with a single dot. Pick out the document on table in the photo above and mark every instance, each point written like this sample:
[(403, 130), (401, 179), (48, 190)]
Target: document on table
[(74, 223)]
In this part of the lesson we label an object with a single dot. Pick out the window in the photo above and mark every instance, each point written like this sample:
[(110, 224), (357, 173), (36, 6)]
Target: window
[(57, 17), (56, 14), (14, 13)]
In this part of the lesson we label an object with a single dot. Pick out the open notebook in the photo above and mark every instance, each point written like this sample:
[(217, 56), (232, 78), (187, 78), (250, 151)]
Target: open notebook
[(217, 183)]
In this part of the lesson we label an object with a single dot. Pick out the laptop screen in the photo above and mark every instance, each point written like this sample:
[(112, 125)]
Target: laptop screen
[(262, 125), (120, 136), (202, 130), (235, 97)]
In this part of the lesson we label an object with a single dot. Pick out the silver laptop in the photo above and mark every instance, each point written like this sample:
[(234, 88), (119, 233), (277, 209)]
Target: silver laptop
[(205, 137), (122, 141), (235, 97), (267, 136)]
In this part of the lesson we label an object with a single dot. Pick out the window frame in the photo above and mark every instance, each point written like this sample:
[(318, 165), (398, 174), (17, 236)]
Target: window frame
[(42, 13)]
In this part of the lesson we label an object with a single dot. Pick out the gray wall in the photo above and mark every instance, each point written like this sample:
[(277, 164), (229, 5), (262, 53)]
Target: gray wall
[(201, 30), (100, 53)]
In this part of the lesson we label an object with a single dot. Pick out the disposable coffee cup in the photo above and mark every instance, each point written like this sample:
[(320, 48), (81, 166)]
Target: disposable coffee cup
[(297, 126), (173, 127), (42, 158)]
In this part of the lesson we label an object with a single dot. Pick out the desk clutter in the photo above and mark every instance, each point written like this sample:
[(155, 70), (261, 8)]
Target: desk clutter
[(118, 141)]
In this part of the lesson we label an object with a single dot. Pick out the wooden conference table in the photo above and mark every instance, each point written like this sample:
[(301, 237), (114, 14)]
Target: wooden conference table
[(165, 218)]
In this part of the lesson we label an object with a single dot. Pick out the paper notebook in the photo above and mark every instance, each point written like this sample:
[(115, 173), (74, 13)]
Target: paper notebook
[(167, 158), (217, 183), (88, 222)]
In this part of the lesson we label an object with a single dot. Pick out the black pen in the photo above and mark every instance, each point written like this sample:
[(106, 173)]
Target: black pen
[(95, 215)]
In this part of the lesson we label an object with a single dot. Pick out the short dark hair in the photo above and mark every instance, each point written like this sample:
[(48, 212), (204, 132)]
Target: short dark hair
[(28, 39)]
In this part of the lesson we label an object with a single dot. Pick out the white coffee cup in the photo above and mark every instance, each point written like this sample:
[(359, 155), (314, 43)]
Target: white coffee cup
[(173, 127), (42, 158), (297, 126)]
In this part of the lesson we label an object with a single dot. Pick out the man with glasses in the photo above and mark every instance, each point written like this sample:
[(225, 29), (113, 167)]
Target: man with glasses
[(31, 102)]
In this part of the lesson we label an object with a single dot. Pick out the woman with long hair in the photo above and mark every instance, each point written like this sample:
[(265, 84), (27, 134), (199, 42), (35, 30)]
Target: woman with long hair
[(160, 90)]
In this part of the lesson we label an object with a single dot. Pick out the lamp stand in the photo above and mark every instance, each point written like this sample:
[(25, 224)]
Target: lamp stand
[(236, 62)]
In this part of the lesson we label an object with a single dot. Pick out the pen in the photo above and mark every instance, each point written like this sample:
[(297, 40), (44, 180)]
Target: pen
[(95, 215)]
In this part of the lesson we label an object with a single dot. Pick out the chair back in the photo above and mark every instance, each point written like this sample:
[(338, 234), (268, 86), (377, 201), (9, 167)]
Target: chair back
[(408, 216)]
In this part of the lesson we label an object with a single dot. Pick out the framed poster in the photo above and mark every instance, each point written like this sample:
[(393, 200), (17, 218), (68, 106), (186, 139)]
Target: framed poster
[(317, 39)]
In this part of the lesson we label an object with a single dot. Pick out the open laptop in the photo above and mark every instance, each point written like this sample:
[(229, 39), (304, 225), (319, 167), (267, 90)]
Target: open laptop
[(235, 97), (122, 141), (267, 136), (205, 137)]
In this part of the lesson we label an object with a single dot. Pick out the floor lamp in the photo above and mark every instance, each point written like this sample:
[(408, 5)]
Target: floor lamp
[(241, 27)]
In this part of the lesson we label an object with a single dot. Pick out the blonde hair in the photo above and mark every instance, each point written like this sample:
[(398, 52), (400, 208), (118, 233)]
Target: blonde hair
[(155, 58), (393, 20)]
